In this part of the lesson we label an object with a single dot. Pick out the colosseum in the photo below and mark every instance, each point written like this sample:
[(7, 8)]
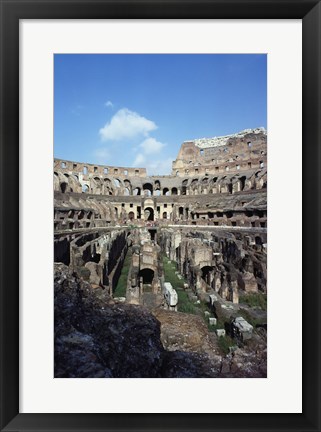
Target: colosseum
[(180, 260)]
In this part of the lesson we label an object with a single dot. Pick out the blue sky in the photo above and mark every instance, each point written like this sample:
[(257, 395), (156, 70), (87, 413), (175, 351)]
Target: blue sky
[(137, 109)]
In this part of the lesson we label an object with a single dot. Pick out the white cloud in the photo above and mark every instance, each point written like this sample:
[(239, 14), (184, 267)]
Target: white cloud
[(102, 156), (109, 104), (147, 157), (154, 167), (126, 124), (139, 160), (159, 167), (151, 145)]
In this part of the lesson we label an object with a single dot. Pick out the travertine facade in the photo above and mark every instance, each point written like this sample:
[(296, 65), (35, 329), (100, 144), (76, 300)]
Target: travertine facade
[(221, 184)]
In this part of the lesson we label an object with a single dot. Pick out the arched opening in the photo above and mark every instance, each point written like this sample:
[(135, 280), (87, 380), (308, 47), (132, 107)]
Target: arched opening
[(127, 184), (148, 189), (131, 216), (242, 180), (157, 193), (165, 191), (107, 187), (184, 186), (194, 183), (206, 274), (152, 233), (149, 214), (126, 192), (85, 188), (136, 191), (97, 185), (174, 191), (116, 212), (63, 187), (147, 275), (165, 215), (181, 212)]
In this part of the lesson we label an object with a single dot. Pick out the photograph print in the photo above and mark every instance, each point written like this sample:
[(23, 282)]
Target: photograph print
[(160, 215)]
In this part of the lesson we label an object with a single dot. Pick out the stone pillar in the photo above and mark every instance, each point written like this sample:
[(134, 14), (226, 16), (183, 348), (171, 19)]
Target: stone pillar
[(198, 281)]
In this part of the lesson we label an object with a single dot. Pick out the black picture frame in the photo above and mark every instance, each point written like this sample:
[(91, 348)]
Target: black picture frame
[(11, 12)]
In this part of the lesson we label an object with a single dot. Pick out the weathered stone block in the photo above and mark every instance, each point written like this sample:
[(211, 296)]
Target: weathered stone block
[(220, 332)]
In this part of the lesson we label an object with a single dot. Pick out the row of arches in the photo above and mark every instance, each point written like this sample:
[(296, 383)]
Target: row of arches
[(206, 185), (149, 191)]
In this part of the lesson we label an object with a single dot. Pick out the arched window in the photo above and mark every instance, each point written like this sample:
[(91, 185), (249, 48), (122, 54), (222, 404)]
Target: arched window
[(165, 191), (148, 189)]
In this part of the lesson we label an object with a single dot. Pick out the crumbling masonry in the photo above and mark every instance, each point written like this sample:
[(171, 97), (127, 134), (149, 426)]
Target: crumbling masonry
[(209, 215)]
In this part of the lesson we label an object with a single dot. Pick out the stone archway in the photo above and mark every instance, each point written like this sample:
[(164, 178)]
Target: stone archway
[(147, 274), (148, 189), (149, 214)]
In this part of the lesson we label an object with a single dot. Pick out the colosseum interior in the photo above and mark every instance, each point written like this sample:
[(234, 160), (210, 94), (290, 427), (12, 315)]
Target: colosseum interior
[(164, 276)]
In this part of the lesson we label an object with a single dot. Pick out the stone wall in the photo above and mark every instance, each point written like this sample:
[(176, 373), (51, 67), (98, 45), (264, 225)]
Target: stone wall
[(232, 153), (95, 257), (222, 263), (80, 211)]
